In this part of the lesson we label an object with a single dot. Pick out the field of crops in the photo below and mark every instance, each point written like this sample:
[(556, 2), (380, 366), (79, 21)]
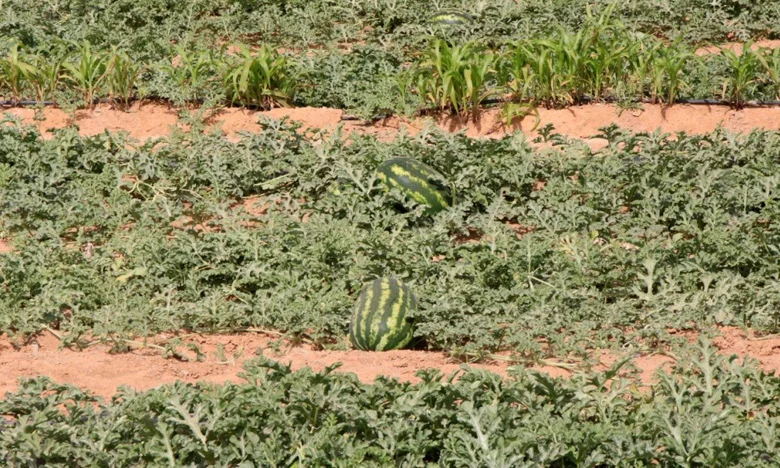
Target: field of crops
[(526, 251), (378, 57)]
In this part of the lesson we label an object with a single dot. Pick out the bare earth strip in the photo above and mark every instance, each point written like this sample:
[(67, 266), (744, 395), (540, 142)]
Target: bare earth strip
[(154, 120), (102, 372)]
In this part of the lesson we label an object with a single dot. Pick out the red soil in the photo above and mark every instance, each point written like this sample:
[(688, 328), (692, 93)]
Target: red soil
[(156, 120), (737, 47), (101, 372)]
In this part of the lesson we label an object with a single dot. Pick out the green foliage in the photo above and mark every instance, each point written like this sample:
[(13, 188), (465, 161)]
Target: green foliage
[(123, 75), (259, 77), (14, 70), (744, 69), (117, 238), (770, 62), (707, 411), (455, 77), (666, 71), (363, 81), (358, 55), (86, 71), (191, 76)]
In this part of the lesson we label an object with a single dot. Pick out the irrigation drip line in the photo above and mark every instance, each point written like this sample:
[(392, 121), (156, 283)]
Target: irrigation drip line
[(25, 103)]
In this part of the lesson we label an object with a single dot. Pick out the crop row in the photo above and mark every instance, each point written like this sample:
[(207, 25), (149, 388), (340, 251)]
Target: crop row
[(603, 60), (258, 78), (543, 252), (708, 411), (148, 27)]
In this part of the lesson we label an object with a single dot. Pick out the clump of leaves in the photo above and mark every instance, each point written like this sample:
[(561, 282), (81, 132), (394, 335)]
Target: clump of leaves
[(123, 77), (455, 77), (258, 77), (87, 70), (191, 75)]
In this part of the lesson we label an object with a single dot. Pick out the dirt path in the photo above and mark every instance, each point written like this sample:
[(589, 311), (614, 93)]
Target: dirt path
[(101, 372), (156, 120)]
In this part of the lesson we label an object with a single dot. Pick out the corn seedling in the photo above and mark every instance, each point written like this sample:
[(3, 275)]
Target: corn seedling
[(770, 62), (640, 65), (521, 110), (191, 71), (743, 71), (260, 78), (45, 76), (666, 72), (455, 77), (123, 75), (14, 72), (87, 71), (607, 62)]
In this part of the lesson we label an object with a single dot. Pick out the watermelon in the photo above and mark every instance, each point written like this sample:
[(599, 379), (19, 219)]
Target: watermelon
[(417, 181), (382, 319), (450, 18)]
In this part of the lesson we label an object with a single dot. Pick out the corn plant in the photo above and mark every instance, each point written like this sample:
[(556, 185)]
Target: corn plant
[(555, 71), (190, 73), (556, 67), (455, 77), (743, 71), (260, 78), (15, 72), (45, 76), (770, 62), (666, 72), (515, 74), (521, 110), (639, 66), (87, 70), (123, 75), (607, 62), (563, 68), (618, 53)]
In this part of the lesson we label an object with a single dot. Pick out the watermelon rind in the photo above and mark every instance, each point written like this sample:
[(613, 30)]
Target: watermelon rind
[(382, 319), (417, 181), (450, 18)]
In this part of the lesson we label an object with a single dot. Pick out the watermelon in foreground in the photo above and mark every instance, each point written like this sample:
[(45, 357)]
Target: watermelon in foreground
[(417, 181), (383, 316)]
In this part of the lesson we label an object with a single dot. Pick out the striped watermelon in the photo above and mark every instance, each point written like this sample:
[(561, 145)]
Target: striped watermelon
[(450, 18), (417, 181), (382, 320)]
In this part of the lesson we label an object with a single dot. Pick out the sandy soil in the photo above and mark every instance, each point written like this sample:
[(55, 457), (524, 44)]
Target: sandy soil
[(94, 368), (736, 47), (101, 372), (155, 120)]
